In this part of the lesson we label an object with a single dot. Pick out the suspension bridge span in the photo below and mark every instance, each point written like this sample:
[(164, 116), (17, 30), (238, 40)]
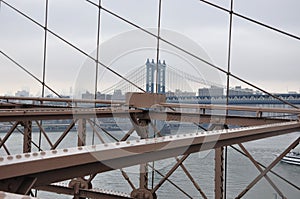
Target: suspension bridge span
[(154, 129)]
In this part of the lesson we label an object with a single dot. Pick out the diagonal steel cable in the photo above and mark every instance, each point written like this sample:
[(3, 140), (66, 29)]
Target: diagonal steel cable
[(179, 48), (73, 46), (271, 171), (252, 20), (29, 73), (193, 55)]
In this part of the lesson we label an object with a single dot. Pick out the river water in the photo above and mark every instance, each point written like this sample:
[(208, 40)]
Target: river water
[(240, 171)]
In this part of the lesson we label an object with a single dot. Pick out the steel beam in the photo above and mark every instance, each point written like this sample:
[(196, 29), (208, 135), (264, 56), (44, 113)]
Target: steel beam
[(27, 137), (233, 108), (61, 113), (84, 193), (219, 170), (264, 172), (59, 165), (6, 195), (66, 100), (81, 132), (215, 119), (8, 134), (261, 170)]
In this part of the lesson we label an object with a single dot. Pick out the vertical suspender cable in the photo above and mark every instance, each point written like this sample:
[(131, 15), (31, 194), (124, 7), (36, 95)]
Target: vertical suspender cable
[(44, 61), (97, 60), (156, 76), (45, 48), (44, 73), (157, 47), (227, 90)]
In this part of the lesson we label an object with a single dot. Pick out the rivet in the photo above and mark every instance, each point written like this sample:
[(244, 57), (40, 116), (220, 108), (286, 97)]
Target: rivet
[(1, 159), (43, 153), (18, 156), (170, 136), (137, 140), (117, 143), (80, 148), (10, 157), (128, 142), (27, 155), (65, 150), (54, 151), (35, 154), (106, 144)]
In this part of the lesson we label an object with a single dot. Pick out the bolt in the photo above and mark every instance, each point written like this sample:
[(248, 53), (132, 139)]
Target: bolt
[(10, 157)]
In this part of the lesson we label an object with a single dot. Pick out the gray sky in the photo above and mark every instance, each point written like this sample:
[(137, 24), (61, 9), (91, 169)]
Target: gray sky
[(259, 55)]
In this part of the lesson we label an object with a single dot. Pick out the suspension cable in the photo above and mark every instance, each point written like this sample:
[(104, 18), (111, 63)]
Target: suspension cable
[(28, 72), (227, 91), (193, 55), (158, 44), (169, 43), (73, 46), (252, 20)]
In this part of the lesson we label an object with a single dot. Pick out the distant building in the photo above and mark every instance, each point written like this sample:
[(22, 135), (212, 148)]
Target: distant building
[(22, 93), (118, 95), (100, 96), (213, 91), (170, 94), (87, 95), (178, 92), (238, 90)]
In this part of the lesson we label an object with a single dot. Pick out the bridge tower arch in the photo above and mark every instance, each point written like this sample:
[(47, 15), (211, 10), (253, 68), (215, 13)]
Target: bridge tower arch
[(151, 68)]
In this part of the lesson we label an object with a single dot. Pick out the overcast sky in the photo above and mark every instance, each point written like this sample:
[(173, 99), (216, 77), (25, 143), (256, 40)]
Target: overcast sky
[(261, 56)]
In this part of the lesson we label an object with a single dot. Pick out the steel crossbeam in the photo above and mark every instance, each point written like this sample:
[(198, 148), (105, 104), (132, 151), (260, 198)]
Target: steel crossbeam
[(58, 165), (61, 113), (85, 193), (191, 117)]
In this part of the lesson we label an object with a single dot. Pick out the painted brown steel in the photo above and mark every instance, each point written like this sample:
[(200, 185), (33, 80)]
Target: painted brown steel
[(215, 119), (261, 170), (84, 193), (53, 114), (53, 166), (232, 108), (264, 172), (66, 100)]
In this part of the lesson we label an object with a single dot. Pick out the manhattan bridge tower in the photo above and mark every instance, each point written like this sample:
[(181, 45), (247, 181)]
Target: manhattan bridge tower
[(151, 68)]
